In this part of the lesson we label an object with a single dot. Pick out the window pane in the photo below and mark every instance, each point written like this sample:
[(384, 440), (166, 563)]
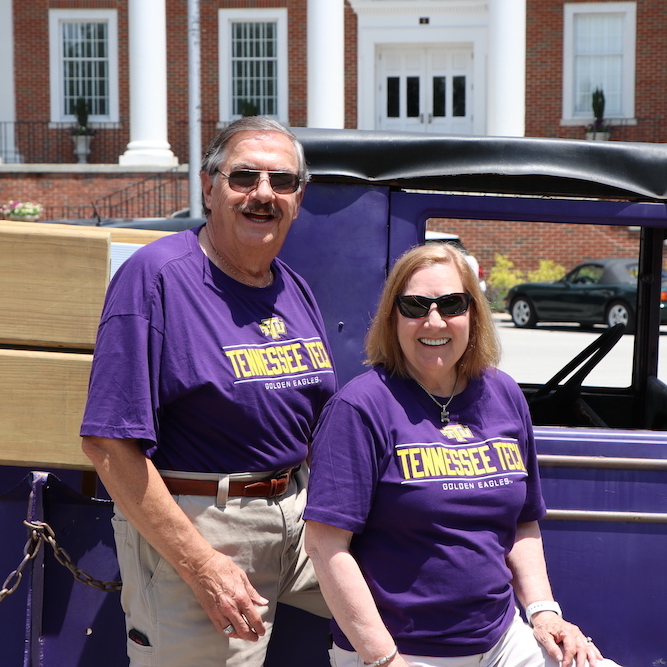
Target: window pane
[(85, 50), (598, 61), (393, 97), (459, 96), (439, 90), (413, 96), (254, 68)]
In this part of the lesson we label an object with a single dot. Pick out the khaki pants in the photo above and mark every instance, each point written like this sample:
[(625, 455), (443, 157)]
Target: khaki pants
[(264, 537)]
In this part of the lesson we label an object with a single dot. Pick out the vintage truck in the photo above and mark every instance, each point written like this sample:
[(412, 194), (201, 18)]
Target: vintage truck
[(602, 450)]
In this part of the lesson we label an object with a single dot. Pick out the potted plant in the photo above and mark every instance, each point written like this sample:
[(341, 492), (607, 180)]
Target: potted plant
[(25, 211), (599, 129), (82, 133)]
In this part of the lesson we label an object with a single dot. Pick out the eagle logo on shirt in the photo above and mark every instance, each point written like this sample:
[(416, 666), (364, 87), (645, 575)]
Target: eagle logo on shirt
[(273, 327), (457, 432)]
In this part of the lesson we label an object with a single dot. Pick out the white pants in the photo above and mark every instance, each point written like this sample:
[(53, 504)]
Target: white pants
[(516, 648), (263, 536)]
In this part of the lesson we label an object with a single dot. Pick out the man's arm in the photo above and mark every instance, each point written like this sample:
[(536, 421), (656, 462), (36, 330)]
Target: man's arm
[(135, 486)]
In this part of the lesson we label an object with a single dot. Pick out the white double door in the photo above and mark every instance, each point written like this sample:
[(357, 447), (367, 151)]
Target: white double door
[(425, 88)]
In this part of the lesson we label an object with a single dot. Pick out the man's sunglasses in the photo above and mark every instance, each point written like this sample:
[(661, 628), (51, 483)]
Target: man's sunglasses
[(246, 180), (448, 305)]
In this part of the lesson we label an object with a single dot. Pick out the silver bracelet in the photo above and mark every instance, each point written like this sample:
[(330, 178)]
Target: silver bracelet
[(383, 661)]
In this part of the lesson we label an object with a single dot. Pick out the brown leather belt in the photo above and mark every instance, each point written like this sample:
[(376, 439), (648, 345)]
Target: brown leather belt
[(264, 488)]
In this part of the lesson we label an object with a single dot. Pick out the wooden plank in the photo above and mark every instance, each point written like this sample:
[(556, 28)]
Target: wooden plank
[(118, 234), (52, 285), (43, 395), (53, 278)]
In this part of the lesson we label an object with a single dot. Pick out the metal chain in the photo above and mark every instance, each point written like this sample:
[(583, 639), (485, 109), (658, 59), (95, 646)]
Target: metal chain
[(40, 531), (30, 550)]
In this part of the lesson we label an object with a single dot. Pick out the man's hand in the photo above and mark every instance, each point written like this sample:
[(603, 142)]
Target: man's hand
[(228, 597)]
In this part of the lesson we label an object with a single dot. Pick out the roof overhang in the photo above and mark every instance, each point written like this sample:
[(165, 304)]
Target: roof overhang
[(512, 165)]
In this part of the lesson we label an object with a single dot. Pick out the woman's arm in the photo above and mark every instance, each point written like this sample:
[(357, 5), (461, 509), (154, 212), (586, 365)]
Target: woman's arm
[(531, 584), (347, 594)]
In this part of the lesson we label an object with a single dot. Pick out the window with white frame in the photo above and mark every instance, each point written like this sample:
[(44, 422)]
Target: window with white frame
[(253, 63), (83, 63), (599, 52)]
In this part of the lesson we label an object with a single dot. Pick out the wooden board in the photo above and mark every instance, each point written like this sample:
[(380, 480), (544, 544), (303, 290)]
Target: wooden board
[(42, 397), (53, 278), (52, 286), (118, 234)]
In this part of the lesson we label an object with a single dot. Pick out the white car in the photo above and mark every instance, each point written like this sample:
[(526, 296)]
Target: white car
[(443, 237)]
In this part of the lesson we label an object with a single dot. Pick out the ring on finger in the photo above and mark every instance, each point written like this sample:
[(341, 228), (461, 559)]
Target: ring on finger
[(589, 640), (229, 629)]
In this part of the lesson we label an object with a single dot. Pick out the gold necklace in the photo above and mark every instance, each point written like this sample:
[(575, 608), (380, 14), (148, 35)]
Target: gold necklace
[(231, 268), (444, 413)]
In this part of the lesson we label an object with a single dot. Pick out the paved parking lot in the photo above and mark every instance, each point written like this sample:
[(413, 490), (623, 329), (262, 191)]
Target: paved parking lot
[(535, 355)]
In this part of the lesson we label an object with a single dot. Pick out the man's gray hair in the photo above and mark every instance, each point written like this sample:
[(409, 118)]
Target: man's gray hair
[(215, 154)]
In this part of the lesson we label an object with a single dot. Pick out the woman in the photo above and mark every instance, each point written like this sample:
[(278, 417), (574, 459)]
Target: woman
[(424, 495)]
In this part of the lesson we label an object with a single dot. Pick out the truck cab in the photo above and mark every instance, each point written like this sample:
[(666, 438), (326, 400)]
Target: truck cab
[(602, 449)]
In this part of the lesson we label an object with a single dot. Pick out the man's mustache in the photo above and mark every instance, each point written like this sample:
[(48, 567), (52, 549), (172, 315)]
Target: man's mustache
[(257, 209)]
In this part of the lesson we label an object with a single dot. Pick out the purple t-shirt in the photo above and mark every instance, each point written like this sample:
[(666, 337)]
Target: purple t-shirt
[(209, 374), (434, 508)]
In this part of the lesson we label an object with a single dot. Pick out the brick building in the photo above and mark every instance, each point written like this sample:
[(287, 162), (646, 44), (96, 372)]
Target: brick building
[(472, 67), (574, 47)]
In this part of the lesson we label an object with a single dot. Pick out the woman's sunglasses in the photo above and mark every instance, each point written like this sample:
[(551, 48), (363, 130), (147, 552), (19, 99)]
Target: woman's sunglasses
[(246, 180), (448, 305)]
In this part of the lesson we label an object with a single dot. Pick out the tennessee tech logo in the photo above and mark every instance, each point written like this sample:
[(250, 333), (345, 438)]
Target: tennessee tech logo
[(457, 432), (484, 464), (273, 327)]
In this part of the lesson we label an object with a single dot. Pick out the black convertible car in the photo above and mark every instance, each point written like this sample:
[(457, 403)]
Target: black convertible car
[(598, 291)]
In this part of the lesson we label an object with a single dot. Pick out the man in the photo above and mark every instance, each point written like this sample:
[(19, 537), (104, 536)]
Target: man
[(210, 370)]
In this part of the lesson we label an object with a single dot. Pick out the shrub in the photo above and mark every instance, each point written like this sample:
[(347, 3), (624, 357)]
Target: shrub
[(501, 278), (548, 270), (504, 276)]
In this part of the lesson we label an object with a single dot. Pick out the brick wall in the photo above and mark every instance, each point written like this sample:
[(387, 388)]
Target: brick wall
[(526, 243), (351, 78), (57, 191), (544, 75)]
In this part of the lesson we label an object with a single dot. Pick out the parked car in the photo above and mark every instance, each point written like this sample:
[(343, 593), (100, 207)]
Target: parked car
[(454, 239), (600, 291)]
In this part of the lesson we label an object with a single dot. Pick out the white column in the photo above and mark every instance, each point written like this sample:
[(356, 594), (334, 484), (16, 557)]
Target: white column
[(148, 86), (507, 68), (8, 103), (194, 107), (326, 63)]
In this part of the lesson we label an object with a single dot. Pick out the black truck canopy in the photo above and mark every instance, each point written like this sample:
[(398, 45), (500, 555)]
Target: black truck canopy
[(512, 165)]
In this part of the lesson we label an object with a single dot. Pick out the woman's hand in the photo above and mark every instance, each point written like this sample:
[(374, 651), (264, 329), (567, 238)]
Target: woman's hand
[(564, 641)]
